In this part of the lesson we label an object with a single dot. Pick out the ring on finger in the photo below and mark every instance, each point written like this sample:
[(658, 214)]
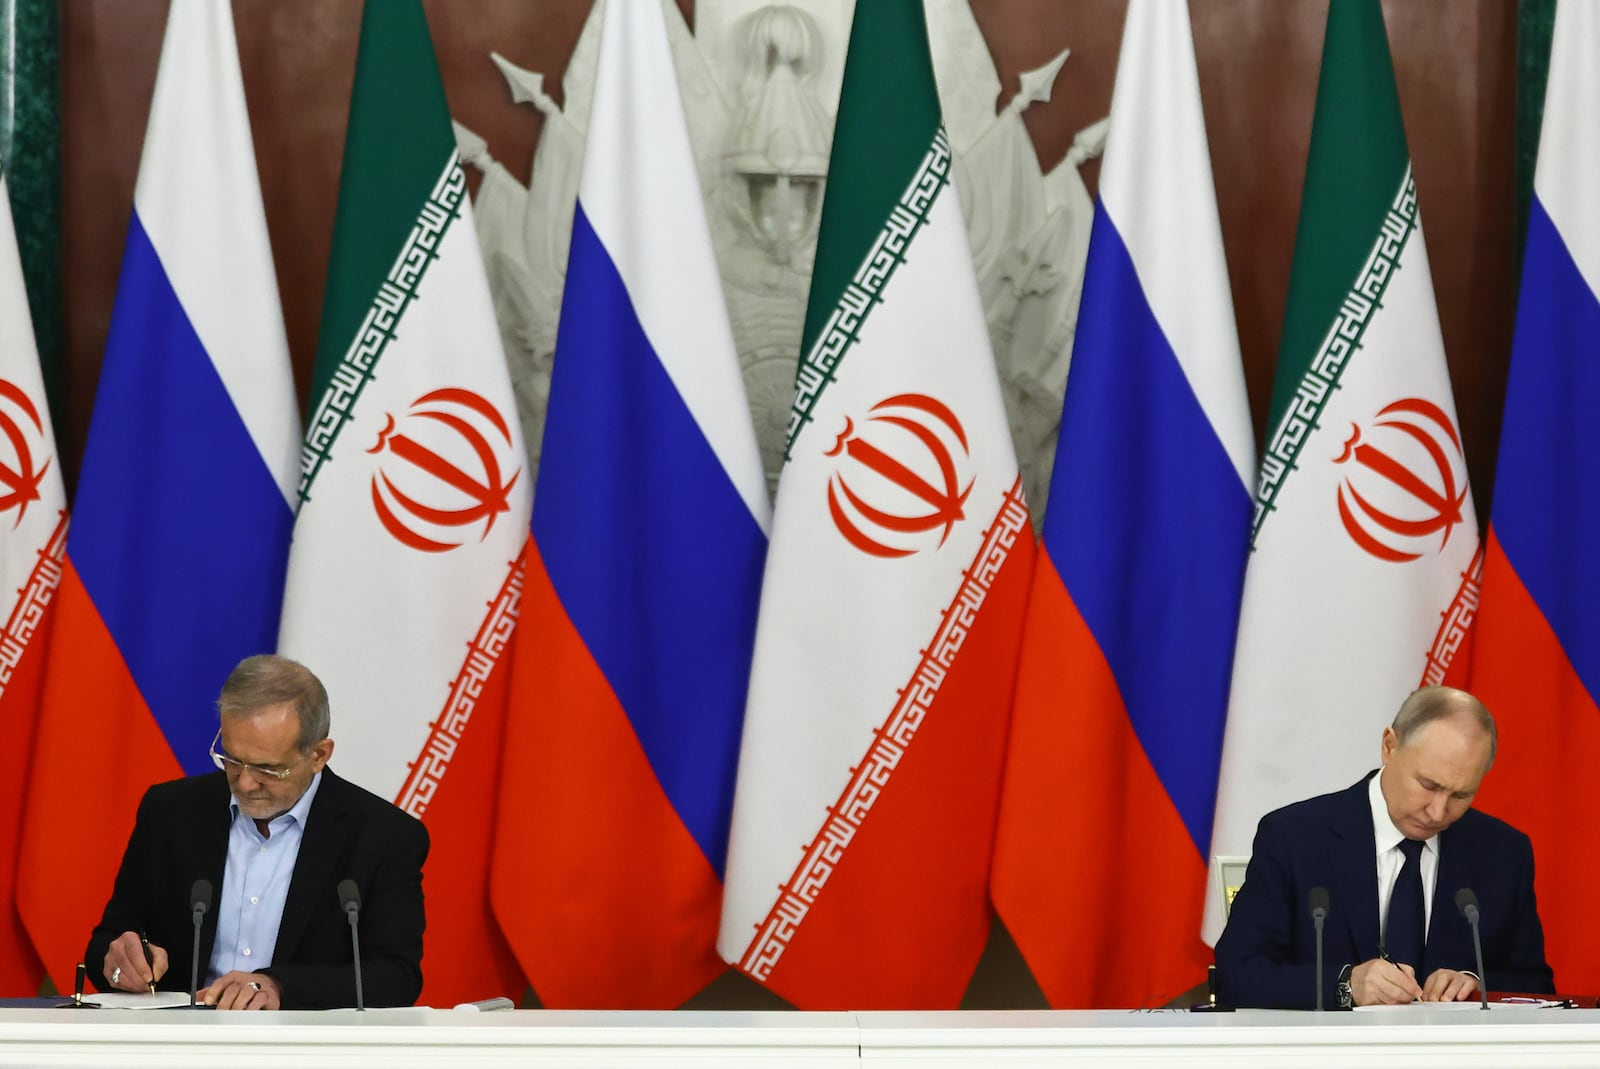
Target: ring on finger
[(255, 985), (116, 974)]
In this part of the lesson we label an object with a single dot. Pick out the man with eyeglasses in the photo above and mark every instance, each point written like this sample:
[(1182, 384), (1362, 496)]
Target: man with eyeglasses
[(277, 831)]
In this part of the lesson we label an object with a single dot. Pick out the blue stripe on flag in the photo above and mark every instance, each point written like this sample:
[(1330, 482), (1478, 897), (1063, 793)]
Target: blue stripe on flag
[(1546, 509), (179, 530), (654, 555), (1149, 526)]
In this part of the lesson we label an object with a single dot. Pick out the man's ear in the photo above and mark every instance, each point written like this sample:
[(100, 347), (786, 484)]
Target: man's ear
[(1391, 743)]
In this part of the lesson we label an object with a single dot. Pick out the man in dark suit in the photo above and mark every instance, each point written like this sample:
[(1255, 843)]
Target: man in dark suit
[(1392, 853), (276, 831)]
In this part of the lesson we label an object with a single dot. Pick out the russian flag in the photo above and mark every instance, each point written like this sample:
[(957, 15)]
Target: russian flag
[(1536, 660), (1100, 867), (638, 617), (176, 555)]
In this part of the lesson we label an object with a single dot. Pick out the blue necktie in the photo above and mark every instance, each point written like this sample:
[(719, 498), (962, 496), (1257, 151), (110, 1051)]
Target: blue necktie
[(1405, 932)]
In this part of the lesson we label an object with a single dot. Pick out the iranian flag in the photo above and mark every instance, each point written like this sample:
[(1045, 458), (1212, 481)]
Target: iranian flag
[(898, 568), (404, 574), (33, 536), (1365, 561)]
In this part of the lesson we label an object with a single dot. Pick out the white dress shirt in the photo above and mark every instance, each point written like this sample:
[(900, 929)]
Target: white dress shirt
[(1390, 859), (254, 887)]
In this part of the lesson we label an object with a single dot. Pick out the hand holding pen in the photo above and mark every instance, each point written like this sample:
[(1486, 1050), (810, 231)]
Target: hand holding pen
[(1382, 980), (133, 963)]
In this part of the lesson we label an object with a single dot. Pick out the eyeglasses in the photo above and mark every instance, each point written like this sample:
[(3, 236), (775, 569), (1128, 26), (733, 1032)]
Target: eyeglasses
[(238, 767)]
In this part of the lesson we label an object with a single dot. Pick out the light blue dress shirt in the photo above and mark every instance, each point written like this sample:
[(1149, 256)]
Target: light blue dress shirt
[(254, 887)]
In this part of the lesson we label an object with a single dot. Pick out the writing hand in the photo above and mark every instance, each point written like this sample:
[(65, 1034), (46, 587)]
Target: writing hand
[(1383, 983), (126, 968)]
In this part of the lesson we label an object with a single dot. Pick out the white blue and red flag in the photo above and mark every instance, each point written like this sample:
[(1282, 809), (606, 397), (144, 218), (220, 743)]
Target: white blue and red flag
[(176, 556), (638, 617), (1116, 739), (1536, 659)]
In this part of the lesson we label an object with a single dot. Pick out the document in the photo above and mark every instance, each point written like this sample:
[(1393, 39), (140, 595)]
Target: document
[(139, 1000)]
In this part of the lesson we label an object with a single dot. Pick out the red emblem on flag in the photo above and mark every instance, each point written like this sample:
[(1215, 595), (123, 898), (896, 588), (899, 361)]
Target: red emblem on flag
[(19, 479), (906, 477), (440, 469), (1407, 482)]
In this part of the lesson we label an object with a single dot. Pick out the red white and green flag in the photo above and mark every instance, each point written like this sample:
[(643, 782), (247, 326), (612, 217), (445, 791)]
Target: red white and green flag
[(1365, 561), (33, 536), (898, 568), (405, 573)]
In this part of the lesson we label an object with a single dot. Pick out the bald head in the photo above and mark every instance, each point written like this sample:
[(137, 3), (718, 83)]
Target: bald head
[(1430, 704)]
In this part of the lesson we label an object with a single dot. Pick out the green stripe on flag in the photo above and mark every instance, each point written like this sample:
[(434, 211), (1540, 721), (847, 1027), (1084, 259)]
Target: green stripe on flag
[(888, 117), (1361, 304), (397, 142), (1358, 160), (865, 289), (334, 404)]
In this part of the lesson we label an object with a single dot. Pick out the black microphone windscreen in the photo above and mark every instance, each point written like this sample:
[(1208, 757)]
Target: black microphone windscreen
[(200, 896), (1466, 900), (349, 895), (1318, 900)]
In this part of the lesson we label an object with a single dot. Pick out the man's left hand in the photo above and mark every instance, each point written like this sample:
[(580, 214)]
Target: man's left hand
[(242, 991), (1447, 985)]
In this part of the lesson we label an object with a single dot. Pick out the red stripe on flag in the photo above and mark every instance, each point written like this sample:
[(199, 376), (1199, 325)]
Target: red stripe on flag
[(1095, 875), (602, 893), (20, 967), (905, 914), (465, 957), (97, 750), (1549, 730)]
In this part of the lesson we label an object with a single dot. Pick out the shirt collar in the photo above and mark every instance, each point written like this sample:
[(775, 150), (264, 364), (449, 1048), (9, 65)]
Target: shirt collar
[(296, 813), (1387, 836)]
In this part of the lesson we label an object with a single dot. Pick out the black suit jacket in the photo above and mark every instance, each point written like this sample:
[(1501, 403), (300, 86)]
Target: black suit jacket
[(1267, 953), (181, 835)]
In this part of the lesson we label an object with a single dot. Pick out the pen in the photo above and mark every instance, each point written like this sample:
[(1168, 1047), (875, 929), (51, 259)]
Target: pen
[(1383, 955), (149, 959)]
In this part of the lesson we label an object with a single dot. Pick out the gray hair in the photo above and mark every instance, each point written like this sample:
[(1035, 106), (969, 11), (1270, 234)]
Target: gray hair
[(266, 680), (1428, 704)]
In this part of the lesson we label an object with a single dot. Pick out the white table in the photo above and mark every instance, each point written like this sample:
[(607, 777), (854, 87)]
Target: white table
[(1419, 1036)]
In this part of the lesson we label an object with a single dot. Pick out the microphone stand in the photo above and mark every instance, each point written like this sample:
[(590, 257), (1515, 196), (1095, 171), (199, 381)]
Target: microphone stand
[(355, 948), (1470, 911), (350, 900), (1316, 919), (199, 902), (194, 958), (1477, 947), (1319, 913)]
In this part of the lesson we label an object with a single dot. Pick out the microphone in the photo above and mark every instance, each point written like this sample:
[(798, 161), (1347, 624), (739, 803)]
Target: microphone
[(1318, 901), (1467, 903), (199, 903), (350, 902)]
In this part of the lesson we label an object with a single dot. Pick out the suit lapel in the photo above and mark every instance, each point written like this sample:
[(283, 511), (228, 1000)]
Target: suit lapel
[(327, 827), (1446, 927), (1356, 861), (216, 826)]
